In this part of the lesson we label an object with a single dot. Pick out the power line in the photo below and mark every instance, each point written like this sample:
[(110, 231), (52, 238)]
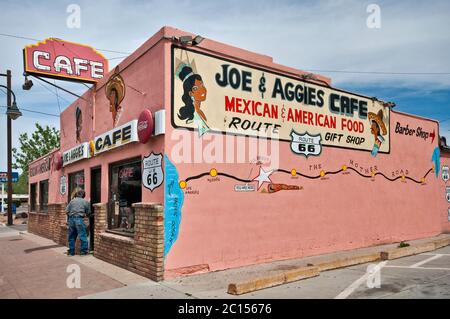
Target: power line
[(48, 89), (31, 111), (57, 97), (379, 72), (308, 70), (33, 39)]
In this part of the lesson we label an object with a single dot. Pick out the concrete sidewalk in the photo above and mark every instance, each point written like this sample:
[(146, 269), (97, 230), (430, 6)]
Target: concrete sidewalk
[(215, 284), (35, 267)]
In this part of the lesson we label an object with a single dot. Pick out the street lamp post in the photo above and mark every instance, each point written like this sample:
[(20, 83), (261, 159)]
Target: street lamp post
[(12, 113)]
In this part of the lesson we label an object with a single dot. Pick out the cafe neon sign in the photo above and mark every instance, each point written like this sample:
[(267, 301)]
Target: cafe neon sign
[(64, 60)]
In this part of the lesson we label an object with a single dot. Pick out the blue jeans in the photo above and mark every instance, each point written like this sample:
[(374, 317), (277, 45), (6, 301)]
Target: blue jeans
[(77, 228)]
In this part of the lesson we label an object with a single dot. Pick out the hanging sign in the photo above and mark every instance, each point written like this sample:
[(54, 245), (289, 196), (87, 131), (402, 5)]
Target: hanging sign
[(75, 154), (210, 94), (119, 136), (152, 174), (64, 60)]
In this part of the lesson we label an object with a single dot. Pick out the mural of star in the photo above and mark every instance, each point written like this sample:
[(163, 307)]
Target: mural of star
[(263, 177)]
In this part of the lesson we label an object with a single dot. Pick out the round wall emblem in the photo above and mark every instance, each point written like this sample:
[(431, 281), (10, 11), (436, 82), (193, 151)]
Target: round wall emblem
[(57, 161), (145, 126)]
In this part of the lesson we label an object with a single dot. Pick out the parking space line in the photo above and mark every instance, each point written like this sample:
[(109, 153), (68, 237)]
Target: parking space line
[(350, 289), (420, 263), (428, 254), (409, 267)]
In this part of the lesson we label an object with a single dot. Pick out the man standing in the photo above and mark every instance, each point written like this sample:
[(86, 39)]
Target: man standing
[(77, 209)]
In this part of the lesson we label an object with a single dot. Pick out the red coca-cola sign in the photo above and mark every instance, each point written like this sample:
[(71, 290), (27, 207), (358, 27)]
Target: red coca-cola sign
[(57, 161), (145, 126), (64, 60)]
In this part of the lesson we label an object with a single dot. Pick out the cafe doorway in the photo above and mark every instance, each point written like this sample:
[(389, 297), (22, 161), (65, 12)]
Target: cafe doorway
[(125, 190), (96, 197)]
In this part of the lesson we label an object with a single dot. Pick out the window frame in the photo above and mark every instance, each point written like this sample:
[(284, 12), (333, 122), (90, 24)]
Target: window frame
[(43, 207), (110, 202), (69, 175), (33, 195)]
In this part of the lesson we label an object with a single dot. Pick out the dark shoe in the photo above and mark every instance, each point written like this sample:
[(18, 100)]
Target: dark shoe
[(84, 253), (70, 254)]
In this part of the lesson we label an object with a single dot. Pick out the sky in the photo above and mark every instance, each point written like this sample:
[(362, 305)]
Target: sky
[(324, 36)]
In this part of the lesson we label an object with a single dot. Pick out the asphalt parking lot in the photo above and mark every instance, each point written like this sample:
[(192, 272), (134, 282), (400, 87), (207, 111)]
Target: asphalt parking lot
[(420, 276)]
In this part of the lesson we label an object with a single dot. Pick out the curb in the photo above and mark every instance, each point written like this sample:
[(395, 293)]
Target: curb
[(349, 261), (442, 243), (314, 270), (407, 251), (272, 280)]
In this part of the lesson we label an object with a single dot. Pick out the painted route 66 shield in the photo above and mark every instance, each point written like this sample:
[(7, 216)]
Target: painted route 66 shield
[(306, 144), (152, 173), (447, 193), (445, 173)]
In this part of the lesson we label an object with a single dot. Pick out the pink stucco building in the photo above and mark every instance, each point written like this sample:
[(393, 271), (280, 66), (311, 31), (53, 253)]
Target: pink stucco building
[(248, 161)]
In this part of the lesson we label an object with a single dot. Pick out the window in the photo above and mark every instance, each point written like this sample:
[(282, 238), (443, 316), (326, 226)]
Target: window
[(33, 197), (76, 183), (43, 196), (125, 190)]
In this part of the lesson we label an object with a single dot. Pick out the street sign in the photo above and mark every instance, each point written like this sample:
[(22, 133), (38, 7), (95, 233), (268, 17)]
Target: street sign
[(4, 177)]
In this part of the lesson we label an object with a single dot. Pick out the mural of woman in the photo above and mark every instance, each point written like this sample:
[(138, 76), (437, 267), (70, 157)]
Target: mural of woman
[(78, 124), (378, 129), (194, 94), (115, 92)]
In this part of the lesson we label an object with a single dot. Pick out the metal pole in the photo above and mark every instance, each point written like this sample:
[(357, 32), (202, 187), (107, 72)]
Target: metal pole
[(9, 150), (3, 201)]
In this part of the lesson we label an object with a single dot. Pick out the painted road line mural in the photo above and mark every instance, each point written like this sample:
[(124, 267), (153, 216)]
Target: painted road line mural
[(264, 177), (211, 94), (173, 202)]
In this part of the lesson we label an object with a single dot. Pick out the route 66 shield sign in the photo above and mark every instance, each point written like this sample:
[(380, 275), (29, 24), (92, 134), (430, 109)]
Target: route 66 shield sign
[(152, 173), (306, 144), (445, 173), (447, 193), (63, 185)]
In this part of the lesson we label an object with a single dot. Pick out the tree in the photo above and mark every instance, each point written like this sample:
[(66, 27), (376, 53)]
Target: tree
[(21, 187), (42, 141)]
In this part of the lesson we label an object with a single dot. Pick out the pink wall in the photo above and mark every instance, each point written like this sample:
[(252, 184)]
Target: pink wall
[(50, 175), (224, 228), (445, 205), (144, 89), (221, 228)]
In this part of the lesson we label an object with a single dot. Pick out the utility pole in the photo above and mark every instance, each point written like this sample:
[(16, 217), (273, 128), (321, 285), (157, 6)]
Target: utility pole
[(9, 151), (3, 200), (12, 113)]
